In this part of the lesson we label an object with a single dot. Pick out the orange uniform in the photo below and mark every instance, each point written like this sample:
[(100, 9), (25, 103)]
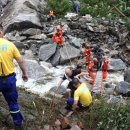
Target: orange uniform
[(105, 68), (51, 13), (58, 38), (90, 71), (87, 53)]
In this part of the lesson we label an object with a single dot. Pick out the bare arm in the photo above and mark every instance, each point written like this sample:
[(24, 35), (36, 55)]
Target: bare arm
[(59, 84), (81, 74), (75, 104), (21, 63)]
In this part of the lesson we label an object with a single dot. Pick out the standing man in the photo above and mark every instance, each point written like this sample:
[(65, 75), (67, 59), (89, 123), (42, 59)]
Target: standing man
[(76, 6), (8, 52)]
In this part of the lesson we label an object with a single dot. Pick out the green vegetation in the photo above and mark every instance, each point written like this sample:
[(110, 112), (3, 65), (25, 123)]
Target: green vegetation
[(97, 8), (60, 7), (103, 116)]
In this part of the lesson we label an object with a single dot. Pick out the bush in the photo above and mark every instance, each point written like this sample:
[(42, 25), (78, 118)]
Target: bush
[(103, 116)]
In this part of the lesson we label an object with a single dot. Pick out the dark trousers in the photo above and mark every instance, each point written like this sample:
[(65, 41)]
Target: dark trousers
[(8, 89)]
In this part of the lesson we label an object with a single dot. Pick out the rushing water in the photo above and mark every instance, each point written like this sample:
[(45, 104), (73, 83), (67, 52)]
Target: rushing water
[(41, 88)]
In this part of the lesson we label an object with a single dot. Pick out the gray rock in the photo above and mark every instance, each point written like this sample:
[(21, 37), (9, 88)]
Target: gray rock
[(56, 58), (116, 65), (117, 100), (46, 51), (68, 52), (38, 37), (75, 41), (19, 45), (22, 14), (31, 32), (28, 55), (114, 53), (123, 88), (15, 37), (33, 48), (34, 70), (127, 75), (3, 3)]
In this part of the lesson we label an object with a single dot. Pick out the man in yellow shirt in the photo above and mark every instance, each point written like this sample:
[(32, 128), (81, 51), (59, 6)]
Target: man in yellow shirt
[(8, 52), (82, 96)]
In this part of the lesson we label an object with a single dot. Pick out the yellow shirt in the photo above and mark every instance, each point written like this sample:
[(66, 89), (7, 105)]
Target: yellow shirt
[(83, 95), (8, 52)]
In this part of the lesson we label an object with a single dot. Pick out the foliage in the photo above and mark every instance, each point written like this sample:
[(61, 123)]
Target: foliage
[(103, 116), (60, 7), (97, 8)]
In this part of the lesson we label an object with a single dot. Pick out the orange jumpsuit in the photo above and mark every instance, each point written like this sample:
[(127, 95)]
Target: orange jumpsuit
[(87, 53), (51, 13), (105, 68), (58, 38), (90, 71)]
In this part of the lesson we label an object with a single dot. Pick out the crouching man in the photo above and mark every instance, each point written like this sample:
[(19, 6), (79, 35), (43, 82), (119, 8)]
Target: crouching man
[(82, 96)]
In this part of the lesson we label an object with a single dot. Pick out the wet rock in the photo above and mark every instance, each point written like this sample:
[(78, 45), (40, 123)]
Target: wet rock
[(22, 14), (68, 52), (31, 32), (34, 70), (46, 51), (127, 75), (123, 88), (56, 58), (38, 37), (117, 100), (116, 65)]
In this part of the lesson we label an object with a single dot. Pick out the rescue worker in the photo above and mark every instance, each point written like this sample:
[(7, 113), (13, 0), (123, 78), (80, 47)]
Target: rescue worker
[(87, 53), (57, 37), (91, 66), (70, 73), (82, 96), (105, 67), (51, 15), (8, 52)]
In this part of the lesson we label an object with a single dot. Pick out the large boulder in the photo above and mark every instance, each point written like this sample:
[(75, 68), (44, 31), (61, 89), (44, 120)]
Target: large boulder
[(46, 51), (116, 65), (123, 88), (68, 52), (35, 70), (21, 14), (127, 75)]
